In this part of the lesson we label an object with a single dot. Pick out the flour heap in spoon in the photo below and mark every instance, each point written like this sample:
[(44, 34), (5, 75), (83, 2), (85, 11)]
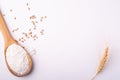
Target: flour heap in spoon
[(17, 59)]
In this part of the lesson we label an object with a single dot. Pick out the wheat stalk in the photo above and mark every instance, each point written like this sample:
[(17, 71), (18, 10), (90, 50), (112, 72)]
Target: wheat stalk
[(102, 63)]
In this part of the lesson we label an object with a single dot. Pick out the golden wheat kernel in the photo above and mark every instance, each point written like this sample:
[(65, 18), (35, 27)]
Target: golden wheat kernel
[(30, 33), (11, 10), (29, 8), (42, 31), (42, 17), (28, 37), (32, 17), (13, 30), (27, 4), (45, 17), (34, 28), (19, 39), (33, 23), (29, 29), (34, 39), (15, 18), (16, 29)]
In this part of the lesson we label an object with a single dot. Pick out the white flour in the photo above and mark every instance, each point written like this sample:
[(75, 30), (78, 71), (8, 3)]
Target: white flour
[(17, 59)]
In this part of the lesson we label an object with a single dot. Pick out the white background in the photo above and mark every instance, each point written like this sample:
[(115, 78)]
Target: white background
[(76, 34)]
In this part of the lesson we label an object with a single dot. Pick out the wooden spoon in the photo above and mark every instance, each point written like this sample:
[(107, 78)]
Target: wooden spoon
[(8, 40)]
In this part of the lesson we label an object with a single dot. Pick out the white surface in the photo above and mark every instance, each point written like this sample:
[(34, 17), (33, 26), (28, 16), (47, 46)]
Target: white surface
[(76, 33)]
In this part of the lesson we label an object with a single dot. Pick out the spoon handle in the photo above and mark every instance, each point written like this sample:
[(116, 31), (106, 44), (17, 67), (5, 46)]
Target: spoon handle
[(3, 28)]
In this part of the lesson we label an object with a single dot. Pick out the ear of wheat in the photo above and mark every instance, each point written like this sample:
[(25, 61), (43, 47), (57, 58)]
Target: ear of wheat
[(102, 63)]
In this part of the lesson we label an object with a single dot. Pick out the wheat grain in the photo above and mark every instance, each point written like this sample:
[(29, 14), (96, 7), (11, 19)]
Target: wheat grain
[(27, 4), (32, 17), (102, 63)]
